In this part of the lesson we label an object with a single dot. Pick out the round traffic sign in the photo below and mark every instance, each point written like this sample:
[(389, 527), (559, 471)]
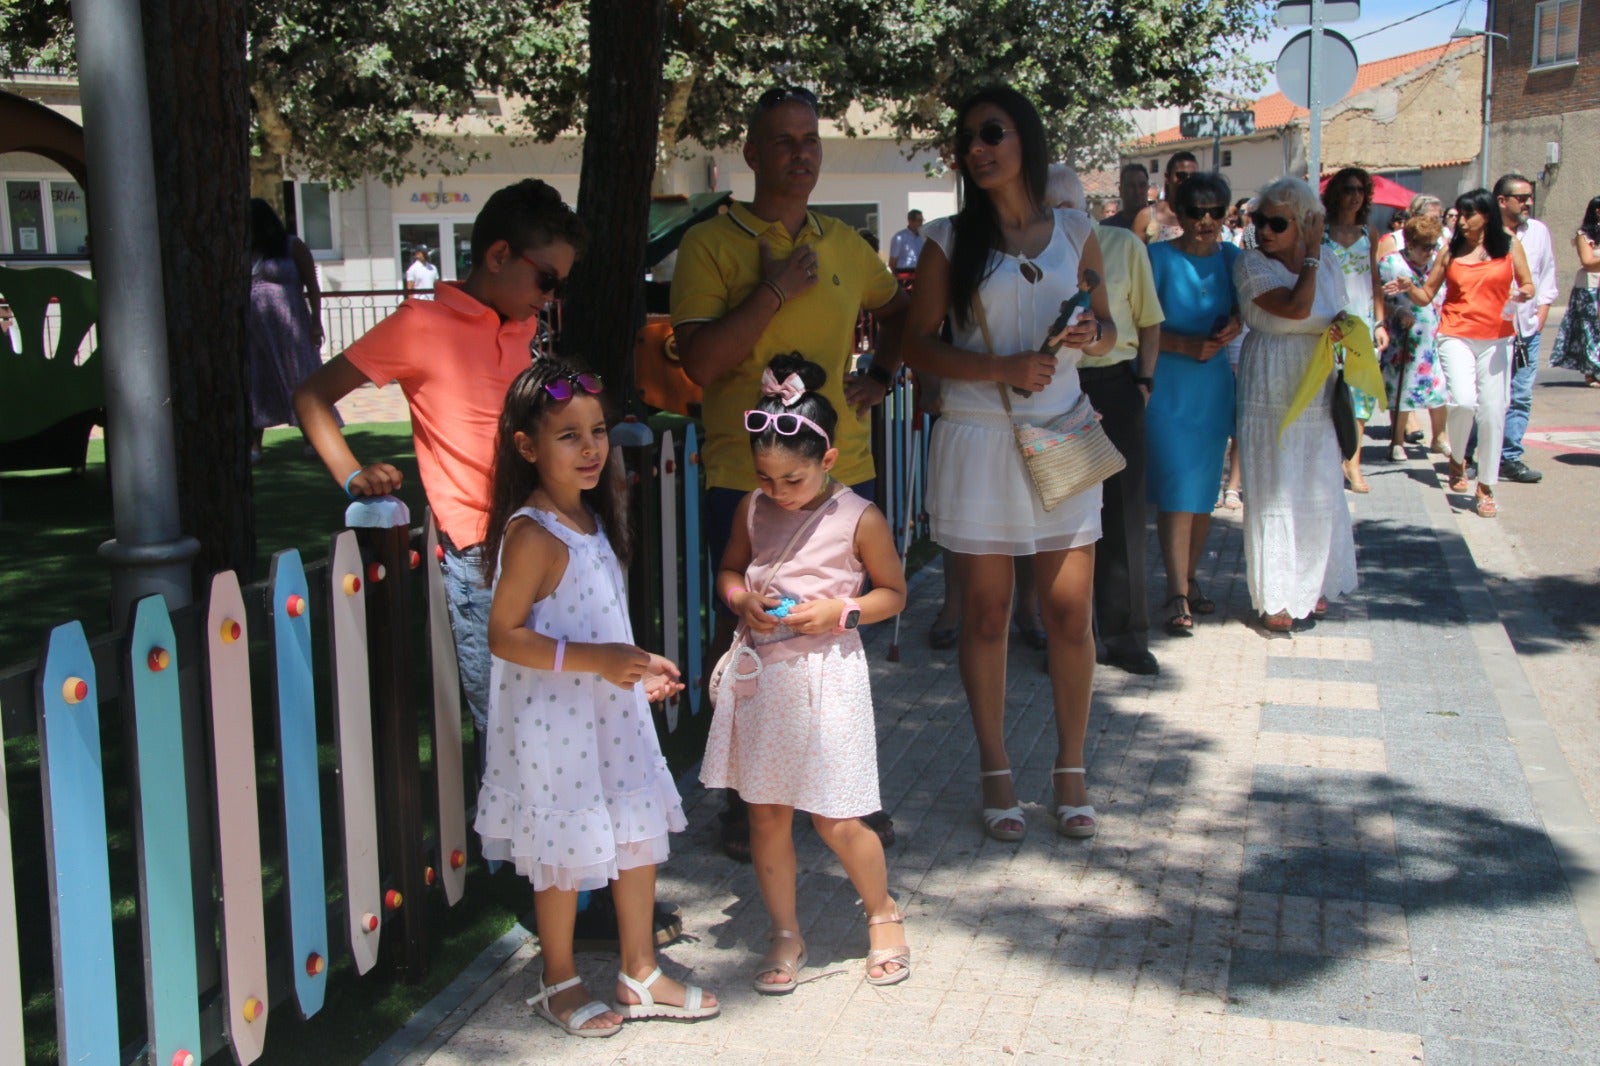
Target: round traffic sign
[(1337, 60)]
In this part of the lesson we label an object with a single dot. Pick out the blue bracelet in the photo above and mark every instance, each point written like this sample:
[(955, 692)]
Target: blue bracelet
[(351, 478)]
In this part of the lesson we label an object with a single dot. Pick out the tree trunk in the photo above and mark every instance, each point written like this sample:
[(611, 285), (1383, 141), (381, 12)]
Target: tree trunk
[(606, 306), (274, 139), (200, 121)]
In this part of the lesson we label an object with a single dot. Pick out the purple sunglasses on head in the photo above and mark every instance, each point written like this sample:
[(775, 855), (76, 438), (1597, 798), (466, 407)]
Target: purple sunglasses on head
[(563, 388)]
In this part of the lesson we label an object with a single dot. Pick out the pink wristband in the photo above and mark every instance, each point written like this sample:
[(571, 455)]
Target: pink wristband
[(728, 599), (561, 653)]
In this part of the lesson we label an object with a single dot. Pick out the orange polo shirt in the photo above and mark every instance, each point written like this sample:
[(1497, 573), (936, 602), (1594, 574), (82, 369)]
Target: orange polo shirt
[(454, 359)]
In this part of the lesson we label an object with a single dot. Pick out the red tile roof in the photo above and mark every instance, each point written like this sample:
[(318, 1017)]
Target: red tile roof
[(1276, 111)]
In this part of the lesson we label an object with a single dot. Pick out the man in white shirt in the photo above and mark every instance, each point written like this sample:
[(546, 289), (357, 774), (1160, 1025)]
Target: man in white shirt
[(421, 274), (1515, 194), (905, 247)]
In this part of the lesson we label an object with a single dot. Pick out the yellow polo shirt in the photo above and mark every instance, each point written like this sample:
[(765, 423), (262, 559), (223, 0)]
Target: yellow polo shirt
[(1131, 291), (719, 264)]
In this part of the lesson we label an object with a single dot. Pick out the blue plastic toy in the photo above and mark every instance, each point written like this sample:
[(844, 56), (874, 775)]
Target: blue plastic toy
[(784, 606)]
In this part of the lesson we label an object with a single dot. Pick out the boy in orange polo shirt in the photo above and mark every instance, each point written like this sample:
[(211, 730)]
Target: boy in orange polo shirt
[(454, 357)]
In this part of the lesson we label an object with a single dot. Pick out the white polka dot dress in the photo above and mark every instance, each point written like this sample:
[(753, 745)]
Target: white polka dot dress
[(574, 787)]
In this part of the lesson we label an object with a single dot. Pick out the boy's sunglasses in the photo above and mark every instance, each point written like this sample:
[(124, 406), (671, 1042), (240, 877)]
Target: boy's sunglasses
[(567, 385), (1197, 213), (784, 423), (990, 133), (550, 283), (1277, 224), (782, 95)]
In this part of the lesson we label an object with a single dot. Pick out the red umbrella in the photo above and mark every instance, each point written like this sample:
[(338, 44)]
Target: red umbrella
[(1386, 192)]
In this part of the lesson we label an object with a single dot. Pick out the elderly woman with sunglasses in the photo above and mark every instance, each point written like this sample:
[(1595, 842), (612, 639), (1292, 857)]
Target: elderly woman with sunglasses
[(1190, 413), (999, 270), (1298, 544)]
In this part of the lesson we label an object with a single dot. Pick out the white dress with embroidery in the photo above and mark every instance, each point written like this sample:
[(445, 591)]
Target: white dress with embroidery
[(1298, 543), (574, 788)]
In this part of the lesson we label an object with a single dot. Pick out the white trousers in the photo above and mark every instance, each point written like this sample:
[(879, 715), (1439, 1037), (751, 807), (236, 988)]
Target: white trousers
[(1478, 375)]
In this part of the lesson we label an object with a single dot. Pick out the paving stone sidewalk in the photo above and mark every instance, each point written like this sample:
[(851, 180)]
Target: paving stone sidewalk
[(1321, 849)]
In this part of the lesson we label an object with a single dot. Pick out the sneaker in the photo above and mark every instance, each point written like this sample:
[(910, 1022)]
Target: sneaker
[(1519, 471)]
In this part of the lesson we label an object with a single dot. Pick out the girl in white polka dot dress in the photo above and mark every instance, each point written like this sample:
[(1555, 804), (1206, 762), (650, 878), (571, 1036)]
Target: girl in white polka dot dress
[(575, 792)]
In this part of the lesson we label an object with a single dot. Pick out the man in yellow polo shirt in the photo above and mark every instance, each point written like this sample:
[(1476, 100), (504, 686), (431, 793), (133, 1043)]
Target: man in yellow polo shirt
[(773, 276)]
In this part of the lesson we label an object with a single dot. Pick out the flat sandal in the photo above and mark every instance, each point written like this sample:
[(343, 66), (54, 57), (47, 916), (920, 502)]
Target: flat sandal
[(882, 957), (771, 963)]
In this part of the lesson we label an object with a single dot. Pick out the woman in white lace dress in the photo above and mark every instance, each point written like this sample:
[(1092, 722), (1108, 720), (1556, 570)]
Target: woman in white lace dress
[(1298, 544)]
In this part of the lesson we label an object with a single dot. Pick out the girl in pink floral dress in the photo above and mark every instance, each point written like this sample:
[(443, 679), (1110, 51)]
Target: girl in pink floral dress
[(793, 724)]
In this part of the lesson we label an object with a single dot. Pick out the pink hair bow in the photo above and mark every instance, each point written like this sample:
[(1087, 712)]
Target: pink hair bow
[(790, 389)]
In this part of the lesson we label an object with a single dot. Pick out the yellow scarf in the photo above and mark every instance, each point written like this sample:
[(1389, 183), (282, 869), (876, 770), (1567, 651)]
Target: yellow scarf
[(1361, 368)]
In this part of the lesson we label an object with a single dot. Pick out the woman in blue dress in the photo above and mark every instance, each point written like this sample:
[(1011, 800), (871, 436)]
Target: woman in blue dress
[(1190, 414)]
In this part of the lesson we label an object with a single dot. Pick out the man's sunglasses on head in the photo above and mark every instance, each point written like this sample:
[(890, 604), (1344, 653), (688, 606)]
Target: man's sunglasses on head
[(782, 95)]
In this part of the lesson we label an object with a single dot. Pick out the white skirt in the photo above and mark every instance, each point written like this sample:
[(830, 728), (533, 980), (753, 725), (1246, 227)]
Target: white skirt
[(982, 502)]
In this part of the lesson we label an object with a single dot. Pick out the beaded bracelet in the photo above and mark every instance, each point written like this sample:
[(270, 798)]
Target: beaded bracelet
[(1310, 262)]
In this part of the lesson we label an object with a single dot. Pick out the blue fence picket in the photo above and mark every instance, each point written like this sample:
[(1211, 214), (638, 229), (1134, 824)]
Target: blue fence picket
[(80, 876), (10, 962)]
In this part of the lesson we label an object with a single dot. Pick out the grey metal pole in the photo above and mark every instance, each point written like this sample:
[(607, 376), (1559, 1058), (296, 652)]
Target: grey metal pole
[(1314, 156), (1488, 80), (149, 553)]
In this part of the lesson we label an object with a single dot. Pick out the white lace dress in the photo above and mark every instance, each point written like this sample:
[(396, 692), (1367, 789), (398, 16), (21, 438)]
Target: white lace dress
[(575, 788), (1298, 542)]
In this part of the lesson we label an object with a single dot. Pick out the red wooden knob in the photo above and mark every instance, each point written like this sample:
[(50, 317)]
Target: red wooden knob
[(158, 660), (352, 584), (392, 899), (458, 859), (416, 559), (438, 551), (253, 1009), (231, 631), (182, 1058), (315, 965), (694, 459), (75, 690), (295, 605), (427, 876), (670, 466), (369, 922), (375, 573)]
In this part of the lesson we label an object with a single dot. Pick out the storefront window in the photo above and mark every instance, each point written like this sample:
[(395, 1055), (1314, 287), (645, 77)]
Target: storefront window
[(316, 216), (71, 220), (24, 204), (463, 246)]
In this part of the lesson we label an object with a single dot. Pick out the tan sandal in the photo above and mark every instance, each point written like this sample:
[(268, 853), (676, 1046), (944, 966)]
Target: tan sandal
[(1485, 506), (883, 957), (771, 962)]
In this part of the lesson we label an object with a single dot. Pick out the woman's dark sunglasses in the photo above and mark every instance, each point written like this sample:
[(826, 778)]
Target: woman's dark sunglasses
[(1275, 224), (782, 95), (566, 386), (550, 283), (990, 133), (1219, 212)]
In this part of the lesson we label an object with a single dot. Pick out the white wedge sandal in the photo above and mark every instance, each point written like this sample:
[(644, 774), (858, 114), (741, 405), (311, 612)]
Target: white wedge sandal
[(1076, 822), (993, 816)]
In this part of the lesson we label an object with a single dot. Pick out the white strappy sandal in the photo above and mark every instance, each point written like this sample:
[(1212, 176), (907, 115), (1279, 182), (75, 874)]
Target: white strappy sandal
[(573, 1025), (693, 1010), (1076, 822), (993, 816)]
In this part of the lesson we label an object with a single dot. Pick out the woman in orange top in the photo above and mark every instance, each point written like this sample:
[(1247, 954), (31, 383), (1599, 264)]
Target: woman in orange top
[(1482, 267)]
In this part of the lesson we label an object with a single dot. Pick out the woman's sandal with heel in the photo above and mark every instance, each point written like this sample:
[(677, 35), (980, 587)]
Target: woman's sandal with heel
[(772, 963), (1075, 822), (994, 816), (899, 955)]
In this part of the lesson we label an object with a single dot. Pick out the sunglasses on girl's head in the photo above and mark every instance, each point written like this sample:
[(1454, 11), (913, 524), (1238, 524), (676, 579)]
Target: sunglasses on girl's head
[(784, 423), (1277, 224), (549, 282), (990, 133), (566, 386), (1197, 213)]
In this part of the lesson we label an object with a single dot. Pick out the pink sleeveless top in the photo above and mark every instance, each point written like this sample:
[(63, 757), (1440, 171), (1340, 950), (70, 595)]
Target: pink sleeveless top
[(822, 566)]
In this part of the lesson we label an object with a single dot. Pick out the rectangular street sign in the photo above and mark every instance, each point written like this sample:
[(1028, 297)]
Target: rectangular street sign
[(1298, 12), (1193, 125)]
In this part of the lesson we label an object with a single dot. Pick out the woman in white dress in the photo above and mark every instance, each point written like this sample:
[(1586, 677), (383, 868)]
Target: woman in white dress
[(1004, 264), (1298, 544)]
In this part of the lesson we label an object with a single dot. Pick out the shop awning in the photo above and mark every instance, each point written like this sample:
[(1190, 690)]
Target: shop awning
[(671, 217)]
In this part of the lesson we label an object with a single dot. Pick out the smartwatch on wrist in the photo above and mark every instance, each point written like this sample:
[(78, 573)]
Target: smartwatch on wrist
[(1147, 382), (850, 617)]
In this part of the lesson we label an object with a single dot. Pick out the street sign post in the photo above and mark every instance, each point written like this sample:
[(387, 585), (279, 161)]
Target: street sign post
[(1318, 66), (1193, 125)]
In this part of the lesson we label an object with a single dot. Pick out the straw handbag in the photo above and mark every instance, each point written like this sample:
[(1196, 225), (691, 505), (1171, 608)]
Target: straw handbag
[(1066, 455)]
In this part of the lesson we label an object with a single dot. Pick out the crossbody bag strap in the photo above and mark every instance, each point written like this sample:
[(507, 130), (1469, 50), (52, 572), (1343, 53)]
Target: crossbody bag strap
[(988, 346), (804, 528)]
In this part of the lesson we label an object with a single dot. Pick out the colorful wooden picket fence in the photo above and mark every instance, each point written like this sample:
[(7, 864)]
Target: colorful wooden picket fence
[(388, 864)]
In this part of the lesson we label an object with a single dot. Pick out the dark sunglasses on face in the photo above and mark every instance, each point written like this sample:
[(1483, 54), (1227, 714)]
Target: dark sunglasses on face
[(550, 283), (1521, 197), (1178, 177), (566, 386), (1277, 224), (782, 95), (990, 133), (1197, 213)]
